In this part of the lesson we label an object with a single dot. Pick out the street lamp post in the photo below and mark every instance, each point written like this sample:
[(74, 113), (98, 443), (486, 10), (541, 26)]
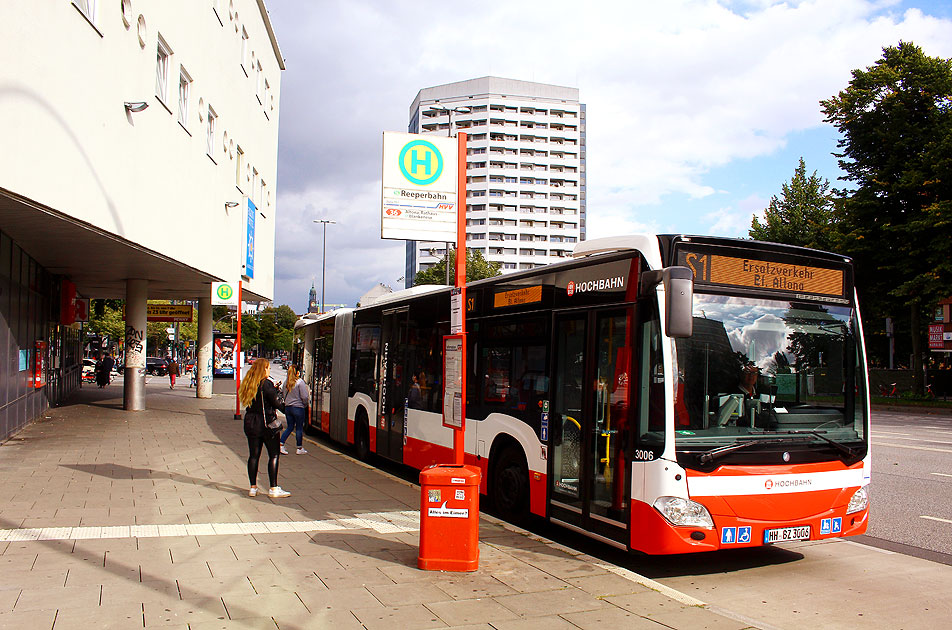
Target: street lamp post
[(323, 223), (449, 112)]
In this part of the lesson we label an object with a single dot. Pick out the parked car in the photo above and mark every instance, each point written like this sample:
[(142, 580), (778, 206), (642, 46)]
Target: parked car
[(156, 366), (89, 370)]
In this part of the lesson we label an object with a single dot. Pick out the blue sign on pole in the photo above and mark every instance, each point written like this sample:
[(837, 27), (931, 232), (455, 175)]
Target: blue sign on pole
[(250, 241)]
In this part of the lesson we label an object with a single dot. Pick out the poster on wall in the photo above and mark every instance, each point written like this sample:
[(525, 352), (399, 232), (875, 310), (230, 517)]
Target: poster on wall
[(224, 355)]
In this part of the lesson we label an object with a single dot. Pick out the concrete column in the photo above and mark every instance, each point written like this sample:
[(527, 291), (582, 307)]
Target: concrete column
[(203, 361), (133, 389)]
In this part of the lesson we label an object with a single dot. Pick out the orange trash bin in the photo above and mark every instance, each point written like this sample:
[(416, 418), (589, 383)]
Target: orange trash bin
[(449, 518)]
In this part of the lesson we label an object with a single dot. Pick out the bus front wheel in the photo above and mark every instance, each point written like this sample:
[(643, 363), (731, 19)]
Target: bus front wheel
[(510, 485)]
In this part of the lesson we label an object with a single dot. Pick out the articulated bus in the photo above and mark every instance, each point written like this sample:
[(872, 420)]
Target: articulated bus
[(663, 394)]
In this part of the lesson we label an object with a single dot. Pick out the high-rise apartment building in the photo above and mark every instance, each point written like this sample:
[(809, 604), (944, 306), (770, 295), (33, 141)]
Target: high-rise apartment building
[(525, 169)]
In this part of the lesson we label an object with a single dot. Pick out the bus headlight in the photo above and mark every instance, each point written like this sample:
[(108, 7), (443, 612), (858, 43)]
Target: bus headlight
[(859, 501), (684, 512)]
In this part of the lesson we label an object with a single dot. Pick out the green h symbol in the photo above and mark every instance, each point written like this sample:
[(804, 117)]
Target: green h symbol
[(415, 161)]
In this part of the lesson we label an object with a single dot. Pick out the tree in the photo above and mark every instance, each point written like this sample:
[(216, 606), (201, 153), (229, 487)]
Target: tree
[(250, 331), (477, 268), (895, 118), (107, 320), (804, 214)]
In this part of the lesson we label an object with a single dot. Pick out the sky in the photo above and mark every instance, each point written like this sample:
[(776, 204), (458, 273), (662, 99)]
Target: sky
[(697, 110)]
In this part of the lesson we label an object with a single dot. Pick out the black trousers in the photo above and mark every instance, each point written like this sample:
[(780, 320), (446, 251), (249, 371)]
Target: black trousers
[(271, 441)]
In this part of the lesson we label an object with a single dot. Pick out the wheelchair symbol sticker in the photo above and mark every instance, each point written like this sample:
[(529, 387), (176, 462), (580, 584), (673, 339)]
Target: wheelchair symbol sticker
[(743, 534)]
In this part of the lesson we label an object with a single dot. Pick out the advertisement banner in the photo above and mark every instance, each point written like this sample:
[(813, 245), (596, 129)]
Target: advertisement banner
[(248, 268), (166, 312), (223, 350)]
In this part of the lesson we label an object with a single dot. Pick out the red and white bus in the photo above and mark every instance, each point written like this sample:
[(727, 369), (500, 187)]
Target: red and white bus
[(606, 398)]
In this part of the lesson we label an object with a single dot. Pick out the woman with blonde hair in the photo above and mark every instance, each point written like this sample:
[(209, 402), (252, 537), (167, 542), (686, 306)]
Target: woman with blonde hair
[(296, 402), (261, 398)]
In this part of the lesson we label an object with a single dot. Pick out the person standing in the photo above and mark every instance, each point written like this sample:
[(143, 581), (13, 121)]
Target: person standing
[(102, 373), (173, 371), (296, 402), (261, 400)]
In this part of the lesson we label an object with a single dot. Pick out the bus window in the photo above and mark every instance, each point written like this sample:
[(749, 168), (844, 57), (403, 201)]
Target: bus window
[(424, 360), (511, 369), (650, 435), (363, 362)]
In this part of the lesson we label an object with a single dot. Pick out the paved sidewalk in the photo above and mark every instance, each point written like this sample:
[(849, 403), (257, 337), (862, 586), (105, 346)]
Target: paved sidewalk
[(129, 520)]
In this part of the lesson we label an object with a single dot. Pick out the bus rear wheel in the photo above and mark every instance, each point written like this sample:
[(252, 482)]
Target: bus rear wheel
[(509, 487), (362, 441)]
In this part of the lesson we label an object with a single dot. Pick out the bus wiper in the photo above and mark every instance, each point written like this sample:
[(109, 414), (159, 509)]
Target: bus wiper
[(837, 445), (717, 453)]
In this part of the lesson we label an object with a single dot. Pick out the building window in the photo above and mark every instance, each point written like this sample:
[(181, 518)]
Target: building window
[(162, 62), (210, 131), (239, 165), (267, 99), (185, 82), (88, 9), (244, 50), (259, 84)]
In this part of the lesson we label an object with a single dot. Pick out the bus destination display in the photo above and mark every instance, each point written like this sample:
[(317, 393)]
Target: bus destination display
[(763, 274), (516, 297)]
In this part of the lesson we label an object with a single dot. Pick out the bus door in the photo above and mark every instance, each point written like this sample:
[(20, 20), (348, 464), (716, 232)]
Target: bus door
[(393, 386), (315, 419), (589, 422), (323, 348)]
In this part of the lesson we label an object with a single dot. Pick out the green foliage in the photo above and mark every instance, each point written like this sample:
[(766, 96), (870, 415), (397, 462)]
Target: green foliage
[(477, 268), (803, 215), (108, 321), (895, 118)]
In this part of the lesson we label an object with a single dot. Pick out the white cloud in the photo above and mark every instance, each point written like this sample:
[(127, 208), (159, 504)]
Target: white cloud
[(673, 90)]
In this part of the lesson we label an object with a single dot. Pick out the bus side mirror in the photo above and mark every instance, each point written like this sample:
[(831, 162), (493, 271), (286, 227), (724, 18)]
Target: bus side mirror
[(678, 298)]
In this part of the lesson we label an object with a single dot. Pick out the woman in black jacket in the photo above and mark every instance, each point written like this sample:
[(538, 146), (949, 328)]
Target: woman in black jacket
[(261, 398)]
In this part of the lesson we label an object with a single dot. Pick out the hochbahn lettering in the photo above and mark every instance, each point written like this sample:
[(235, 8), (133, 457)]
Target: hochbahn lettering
[(602, 284)]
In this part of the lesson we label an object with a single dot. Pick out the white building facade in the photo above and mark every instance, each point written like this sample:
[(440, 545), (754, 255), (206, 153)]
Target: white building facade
[(140, 149), (525, 170)]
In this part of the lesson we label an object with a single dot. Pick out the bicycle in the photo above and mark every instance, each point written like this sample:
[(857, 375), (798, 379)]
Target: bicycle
[(888, 392)]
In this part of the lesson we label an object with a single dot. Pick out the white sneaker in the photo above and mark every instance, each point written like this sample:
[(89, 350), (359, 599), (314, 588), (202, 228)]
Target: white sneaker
[(301, 451), (277, 493), (284, 451), (253, 491)]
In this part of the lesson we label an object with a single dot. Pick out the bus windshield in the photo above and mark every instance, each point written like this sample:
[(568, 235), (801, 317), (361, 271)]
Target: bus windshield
[(758, 368)]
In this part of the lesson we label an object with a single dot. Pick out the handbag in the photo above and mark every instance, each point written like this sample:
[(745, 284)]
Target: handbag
[(274, 423)]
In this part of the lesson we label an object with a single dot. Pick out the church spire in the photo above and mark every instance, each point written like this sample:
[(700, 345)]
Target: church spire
[(312, 305)]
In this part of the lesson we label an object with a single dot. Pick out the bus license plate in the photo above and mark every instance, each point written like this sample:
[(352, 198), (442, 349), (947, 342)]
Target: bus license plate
[(784, 534)]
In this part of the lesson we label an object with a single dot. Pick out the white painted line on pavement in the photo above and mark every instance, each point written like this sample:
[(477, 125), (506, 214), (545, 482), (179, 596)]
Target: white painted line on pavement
[(941, 474), (647, 582), (870, 547), (876, 433), (915, 448), (921, 439), (936, 518), (381, 522)]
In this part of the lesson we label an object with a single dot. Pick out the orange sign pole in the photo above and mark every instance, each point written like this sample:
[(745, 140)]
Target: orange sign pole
[(238, 358), (458, 435)]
